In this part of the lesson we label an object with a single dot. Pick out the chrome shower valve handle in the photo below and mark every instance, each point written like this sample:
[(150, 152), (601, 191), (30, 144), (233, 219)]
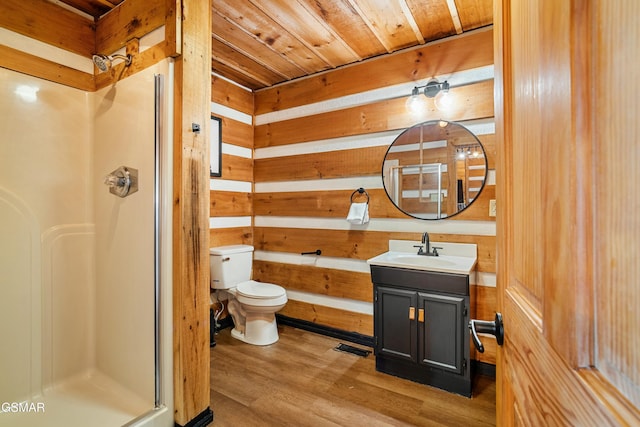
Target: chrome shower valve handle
[(122, 181), (114, 181)]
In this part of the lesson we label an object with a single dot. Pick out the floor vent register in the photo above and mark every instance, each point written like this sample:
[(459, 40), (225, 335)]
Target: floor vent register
[(346, 348)]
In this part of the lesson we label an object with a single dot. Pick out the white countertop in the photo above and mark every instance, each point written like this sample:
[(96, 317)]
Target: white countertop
[(457, 258)]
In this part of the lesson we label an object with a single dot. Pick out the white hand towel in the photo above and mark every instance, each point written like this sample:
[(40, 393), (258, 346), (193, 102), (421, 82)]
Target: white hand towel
[(358, 213)]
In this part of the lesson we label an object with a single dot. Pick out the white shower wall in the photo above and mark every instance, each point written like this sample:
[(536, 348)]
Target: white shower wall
[(124, 136), (46, 217), (76, 262)]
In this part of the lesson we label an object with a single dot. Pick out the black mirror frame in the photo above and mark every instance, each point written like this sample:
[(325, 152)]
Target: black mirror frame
[(438, 123)]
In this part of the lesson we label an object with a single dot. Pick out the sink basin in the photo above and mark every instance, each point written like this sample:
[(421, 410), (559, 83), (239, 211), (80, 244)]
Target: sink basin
[(458, 264)]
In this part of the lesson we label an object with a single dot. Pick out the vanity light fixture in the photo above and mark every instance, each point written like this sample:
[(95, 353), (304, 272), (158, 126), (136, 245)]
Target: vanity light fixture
[(433, 89), (471, 151)]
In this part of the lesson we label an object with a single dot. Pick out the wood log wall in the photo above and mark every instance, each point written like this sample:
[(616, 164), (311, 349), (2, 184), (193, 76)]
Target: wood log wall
[(231, 209), (313, 146)]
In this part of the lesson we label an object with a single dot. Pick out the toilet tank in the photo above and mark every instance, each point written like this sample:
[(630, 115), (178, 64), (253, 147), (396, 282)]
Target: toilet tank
[(230, 265)]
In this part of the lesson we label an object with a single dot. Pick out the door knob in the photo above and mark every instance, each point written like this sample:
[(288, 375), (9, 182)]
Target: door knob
[(494, 328)]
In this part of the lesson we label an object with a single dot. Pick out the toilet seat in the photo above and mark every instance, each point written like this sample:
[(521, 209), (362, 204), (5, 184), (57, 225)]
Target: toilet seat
[(259, 290), (260, 295)]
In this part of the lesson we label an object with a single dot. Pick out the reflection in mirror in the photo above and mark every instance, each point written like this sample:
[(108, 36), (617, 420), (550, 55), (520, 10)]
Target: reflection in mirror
[(434, 170)]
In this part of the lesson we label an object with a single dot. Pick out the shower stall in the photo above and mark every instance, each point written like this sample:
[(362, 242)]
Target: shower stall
[(85, 275)]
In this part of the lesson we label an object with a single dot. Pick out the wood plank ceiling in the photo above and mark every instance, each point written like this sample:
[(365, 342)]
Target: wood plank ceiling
[(260, 43)]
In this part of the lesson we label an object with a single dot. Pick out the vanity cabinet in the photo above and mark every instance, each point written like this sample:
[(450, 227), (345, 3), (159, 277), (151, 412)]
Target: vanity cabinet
[(420, 326)]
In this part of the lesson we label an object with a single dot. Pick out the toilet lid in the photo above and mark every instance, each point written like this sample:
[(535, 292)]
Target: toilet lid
[(253, 289)]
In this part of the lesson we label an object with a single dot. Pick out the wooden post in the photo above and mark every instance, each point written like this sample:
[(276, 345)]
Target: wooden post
[(191, 216)]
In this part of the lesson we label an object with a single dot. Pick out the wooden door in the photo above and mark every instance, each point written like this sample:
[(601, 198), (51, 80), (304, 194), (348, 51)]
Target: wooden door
[(568, 182)]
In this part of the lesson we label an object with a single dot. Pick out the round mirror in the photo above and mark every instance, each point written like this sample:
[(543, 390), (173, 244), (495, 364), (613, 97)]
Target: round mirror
[(434, 170)]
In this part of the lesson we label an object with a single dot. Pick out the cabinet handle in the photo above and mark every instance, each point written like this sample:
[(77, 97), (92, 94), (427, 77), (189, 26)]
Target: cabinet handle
[(412, 313), (421, 315)]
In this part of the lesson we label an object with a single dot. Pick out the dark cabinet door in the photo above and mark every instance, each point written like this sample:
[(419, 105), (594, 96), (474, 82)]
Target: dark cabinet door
[(441, 331), (395, 323)]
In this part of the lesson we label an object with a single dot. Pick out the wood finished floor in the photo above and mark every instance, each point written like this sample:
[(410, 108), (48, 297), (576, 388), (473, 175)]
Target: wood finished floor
[(302, 381)]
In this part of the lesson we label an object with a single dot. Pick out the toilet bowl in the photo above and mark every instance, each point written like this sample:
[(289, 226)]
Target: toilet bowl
[(252, 304)]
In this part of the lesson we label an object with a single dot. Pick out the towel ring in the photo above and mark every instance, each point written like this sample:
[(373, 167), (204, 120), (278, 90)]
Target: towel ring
[(360, 191)]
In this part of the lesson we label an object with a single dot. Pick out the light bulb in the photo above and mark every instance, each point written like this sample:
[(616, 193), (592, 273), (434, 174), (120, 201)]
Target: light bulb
[(444, 101), (416, 104)]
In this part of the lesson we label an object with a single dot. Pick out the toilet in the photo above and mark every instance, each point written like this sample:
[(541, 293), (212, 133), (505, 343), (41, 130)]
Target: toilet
[(252, 304)]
